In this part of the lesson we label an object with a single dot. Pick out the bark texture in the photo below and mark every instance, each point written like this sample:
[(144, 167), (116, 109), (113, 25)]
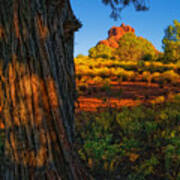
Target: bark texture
[(37, 89)]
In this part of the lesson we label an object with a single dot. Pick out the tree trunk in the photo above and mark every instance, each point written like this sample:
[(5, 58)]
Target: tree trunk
[(37, 89)]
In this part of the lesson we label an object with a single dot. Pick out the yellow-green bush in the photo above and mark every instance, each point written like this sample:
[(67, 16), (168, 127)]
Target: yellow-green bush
[(102, 51), (146, 76), (133, 48), (171, 76), (156, 76), (97, 80), (171, 43)]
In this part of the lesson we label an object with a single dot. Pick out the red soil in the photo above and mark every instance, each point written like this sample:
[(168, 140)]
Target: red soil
[(125, 94), (92, 104)]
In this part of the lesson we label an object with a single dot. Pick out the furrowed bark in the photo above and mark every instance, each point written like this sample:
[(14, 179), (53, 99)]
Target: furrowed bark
[(37, 89)]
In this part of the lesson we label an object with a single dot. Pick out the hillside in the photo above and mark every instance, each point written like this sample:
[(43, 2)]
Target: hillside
[(128, 109), (124, 70), (123, 44)]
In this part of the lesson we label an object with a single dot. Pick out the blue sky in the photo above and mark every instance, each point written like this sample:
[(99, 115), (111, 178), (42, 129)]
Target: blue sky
[(96, 21)]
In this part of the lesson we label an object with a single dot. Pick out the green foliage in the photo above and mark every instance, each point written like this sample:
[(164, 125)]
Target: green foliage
[(97, 80), (137, 143), (133, 48), (148, 57), (101, 51), (171, 76), (171, 51), (172, 33), (171, 43), (146, 76)]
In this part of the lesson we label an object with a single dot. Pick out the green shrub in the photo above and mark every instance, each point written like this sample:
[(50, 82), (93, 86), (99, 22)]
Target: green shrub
[(135, 143), (148, 57), (147, 76), (98, 80), (171, 76), (171, 43), (156, 76), (101, 51), (133, 48)]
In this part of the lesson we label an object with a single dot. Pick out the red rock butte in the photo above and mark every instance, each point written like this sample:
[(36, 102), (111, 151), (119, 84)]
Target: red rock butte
[(115, 33)]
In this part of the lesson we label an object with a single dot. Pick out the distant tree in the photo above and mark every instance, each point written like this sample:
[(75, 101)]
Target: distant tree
[(133, 48), (101, 50), (171, 43)]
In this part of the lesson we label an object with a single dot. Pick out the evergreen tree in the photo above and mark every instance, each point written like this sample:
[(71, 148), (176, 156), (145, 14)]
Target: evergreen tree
[(171, 43), (37, 89)]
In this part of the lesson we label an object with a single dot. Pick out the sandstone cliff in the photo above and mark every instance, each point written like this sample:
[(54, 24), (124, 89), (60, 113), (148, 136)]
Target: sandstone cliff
[(115, 33)]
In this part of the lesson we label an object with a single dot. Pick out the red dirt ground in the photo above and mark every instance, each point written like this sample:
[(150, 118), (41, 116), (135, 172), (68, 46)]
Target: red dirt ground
[(125, 94)]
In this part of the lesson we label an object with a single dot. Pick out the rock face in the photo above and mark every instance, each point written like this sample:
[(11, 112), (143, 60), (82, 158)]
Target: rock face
[(115, 33)]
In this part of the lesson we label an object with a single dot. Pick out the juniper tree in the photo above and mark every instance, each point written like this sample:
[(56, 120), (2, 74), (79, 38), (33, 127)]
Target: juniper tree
[(37, 89)]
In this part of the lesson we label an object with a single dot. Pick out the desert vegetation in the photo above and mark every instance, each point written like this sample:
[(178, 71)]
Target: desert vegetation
[(128, 108), (141, 142)]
